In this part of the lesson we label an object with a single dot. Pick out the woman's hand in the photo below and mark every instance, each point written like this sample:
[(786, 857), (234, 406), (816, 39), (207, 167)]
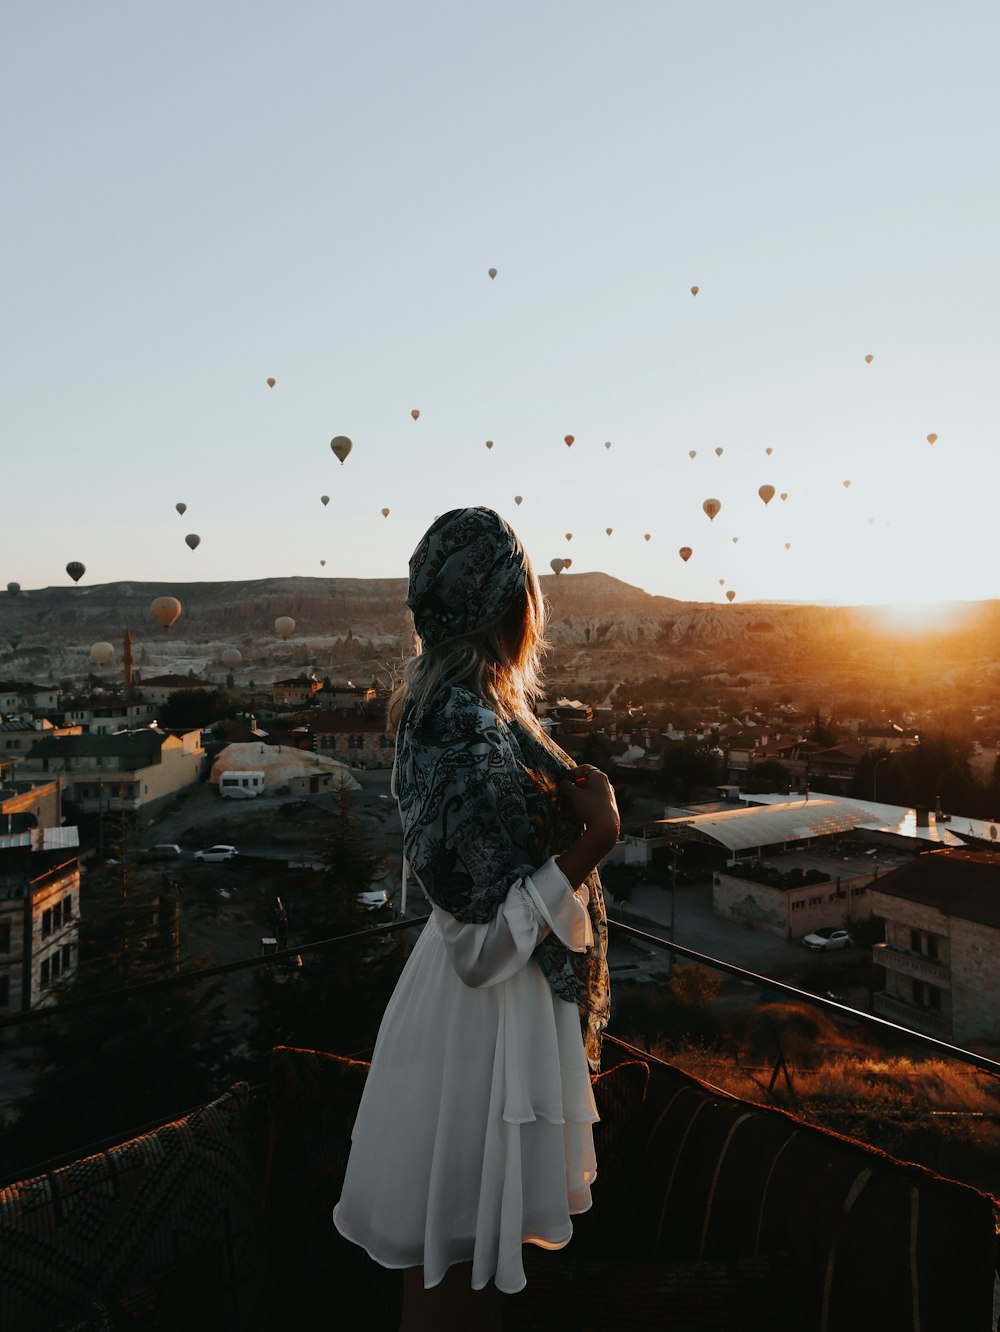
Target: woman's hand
[(592, 796)]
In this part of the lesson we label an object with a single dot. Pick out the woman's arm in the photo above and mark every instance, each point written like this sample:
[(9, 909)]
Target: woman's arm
[(467, 838)]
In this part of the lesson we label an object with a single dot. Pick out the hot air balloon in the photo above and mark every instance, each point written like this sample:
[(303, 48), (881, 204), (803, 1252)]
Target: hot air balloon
[(322, 564), (181, 508), (869, 358), (489, 443), (607, 443), (166, 610), (784, 495), (646, 536), (557, 565), (76, 570), (932, 439), (730, 595), (722, 582), (232, 657), (847, 485), (695, 290), (193, 540), (769, 452), (341, 446), (271, 383), (766, 493), (518, 499), (493, 272), (692, 453), (385, 513), (13, 588), (568, 440), (415, 414), (718, 453), (14, 640), (788, 545), (567, 563), (101, 653), (871, 520), (324, 500), (685, 553), (735, 540), (609, 530), (285, 626), (712, 507), (569, 536)]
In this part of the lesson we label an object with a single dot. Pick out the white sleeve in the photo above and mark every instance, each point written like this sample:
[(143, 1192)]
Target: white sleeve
[(536, 906)]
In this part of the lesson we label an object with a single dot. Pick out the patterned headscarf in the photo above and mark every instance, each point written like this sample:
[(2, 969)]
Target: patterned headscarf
[(464, 574)]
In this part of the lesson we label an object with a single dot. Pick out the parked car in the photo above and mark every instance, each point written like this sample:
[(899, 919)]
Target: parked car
[(372, 899), (216, 853), (162, 851), (825, 938)]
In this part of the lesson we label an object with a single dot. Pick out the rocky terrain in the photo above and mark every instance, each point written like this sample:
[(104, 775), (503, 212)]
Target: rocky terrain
[(600, 629)]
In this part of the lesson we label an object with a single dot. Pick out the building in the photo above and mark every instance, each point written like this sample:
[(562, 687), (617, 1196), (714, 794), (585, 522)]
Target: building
[(942, 941), (139, 770), (158, 688), (39, 914), (297, 693), (19, 696), (279, 769), (18, 735), (106, 715), (356, 736), (28, 804)]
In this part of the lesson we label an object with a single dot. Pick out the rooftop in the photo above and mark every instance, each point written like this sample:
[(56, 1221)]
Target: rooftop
[(962, 884)]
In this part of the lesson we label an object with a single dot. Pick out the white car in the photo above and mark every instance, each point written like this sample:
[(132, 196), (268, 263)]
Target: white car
[(373, 899), (822, 940), (217, 853)]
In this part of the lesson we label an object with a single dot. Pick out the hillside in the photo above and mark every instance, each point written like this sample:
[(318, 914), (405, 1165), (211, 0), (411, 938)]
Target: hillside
[(600, 628)]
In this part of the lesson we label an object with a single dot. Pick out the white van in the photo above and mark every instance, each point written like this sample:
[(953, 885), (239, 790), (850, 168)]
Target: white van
[(241, 785)]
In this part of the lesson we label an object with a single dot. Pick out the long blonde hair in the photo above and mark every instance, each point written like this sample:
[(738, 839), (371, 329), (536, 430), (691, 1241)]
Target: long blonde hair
[(500, 661)]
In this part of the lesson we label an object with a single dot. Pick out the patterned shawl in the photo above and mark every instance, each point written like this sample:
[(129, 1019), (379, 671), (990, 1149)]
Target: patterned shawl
[(478, 797)]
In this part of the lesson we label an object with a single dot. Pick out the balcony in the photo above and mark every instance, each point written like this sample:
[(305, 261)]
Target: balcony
[(740, 1243), (912, 964), (910, 1015)]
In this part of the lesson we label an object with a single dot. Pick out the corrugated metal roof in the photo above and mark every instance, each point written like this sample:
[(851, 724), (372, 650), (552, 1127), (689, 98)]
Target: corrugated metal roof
[(43, 839), (899, 820), (767, 825)]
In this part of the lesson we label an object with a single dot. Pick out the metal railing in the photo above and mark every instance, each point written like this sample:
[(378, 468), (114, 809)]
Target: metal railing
[(767, 984)]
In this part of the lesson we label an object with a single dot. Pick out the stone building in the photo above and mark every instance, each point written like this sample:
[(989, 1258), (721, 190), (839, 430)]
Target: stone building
[(942, 945), (39, 914)]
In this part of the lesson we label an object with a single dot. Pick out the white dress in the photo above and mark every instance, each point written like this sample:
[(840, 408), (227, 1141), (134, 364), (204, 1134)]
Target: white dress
[(474, 1134)]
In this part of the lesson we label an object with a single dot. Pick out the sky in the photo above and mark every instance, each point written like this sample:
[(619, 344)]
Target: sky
[(199, 197)]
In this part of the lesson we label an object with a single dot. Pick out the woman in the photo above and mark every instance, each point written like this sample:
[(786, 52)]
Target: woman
[(474, 1135)]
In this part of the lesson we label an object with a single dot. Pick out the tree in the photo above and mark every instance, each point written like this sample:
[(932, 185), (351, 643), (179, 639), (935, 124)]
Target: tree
[(335, 1000), (694, 986), (196, 707), (686, 766), (596, 750)]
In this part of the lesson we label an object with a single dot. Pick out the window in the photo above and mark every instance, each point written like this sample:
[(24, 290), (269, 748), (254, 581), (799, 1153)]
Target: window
[(67, 956), (797, 906), (914, 941), (57, 916), (857, 892), (918, 993), (5, 936), (68, 907), (932, 947), (4, 991), (45, 973), (46, 923), (934, 998), (815, 901), (831, 897), (56, 966)]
